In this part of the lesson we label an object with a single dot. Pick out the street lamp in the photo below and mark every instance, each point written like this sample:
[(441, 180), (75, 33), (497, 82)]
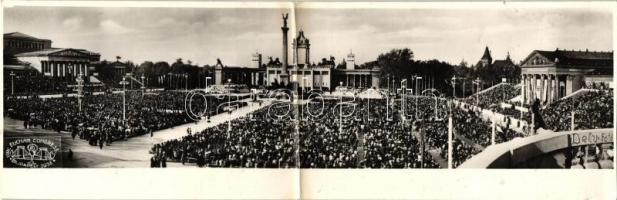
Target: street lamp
[(302, 94), (143, 84), (503, 80), (477, 83), (403, 87), (340, 113), (80, 89), (207, 78), (368, 109), (416, 79), (435, 96), (454, 86), (12, 83), (388, 84), (229, 104), (124, 83)]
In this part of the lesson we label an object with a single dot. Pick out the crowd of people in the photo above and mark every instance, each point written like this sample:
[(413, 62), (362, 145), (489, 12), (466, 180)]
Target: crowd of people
[(28, 83), (592, 110), (258, 141), (369, 134), (498, 93), (101, 120)]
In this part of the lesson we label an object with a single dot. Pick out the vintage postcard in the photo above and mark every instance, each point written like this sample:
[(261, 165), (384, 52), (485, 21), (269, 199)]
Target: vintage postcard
[(309, 89)]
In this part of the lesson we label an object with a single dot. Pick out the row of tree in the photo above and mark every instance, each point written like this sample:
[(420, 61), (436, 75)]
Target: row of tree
[(399, 64), (395, 65)]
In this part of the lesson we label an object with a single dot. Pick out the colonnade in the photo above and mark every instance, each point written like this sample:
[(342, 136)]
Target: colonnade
[(545, 87), (64, 68), (358, 80)]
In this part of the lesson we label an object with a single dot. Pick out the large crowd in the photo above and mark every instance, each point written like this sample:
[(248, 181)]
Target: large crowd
[(592, 110), (257, 141), (101, 118), (27, 83), (362, 137), (498, 93)]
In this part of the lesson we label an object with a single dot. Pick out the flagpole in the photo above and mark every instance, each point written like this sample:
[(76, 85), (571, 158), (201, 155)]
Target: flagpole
[(450, 141)]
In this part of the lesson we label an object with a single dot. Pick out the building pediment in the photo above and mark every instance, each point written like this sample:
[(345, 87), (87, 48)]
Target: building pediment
[(69, 53), (537, 59)]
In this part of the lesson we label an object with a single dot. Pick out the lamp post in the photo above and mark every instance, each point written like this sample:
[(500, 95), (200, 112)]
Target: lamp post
[(464, 83), (340, 113), (403, 100), (504, 80), (229, 104), (416, 79), (477, 83), (368, 109), (12, 83), (572, 121), (80, 90), (143, 84), (123, 83), (450, 146), (302, 93), (388, 84), (207, 78), (454, 87)]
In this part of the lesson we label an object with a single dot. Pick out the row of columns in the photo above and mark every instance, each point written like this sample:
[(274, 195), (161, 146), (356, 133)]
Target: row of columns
[(255, 77), (544, 87), (64, 68), (238, 77), (358, 80)]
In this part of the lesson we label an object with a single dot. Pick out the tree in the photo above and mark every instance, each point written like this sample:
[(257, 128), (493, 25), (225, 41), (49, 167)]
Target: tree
[(395, 62), (161, 68)]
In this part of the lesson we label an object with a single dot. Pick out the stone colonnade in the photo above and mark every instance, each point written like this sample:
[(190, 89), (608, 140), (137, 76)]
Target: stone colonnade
[(64, 68), (358, 80), (545, 87)]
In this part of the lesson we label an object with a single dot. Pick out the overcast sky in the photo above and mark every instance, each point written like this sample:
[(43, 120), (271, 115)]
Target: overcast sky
[(204, 34)]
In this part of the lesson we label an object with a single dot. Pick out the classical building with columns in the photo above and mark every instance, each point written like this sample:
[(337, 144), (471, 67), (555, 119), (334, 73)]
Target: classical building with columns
[(55, 62), (60, 62), (551, 75)]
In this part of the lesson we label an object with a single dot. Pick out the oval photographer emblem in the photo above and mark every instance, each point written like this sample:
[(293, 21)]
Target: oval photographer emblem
[(32, 152)]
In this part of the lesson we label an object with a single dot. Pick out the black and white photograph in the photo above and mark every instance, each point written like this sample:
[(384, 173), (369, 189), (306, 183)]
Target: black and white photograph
[(130, 87)]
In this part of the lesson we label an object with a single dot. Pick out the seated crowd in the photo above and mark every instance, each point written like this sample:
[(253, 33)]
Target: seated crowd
[(500, 93), (34, 83), (260, 141), (592, 110), (365, 138), (101, 119)]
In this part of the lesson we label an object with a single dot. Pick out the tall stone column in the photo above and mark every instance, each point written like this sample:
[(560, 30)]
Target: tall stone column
[(54, 69), (569, 85), (533, 88), (543, 88), (528, 85), (549, 95), (523, 89), (557, 87), (284, 73)]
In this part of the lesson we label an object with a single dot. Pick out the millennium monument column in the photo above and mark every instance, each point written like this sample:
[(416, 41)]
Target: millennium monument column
[(284, 76)]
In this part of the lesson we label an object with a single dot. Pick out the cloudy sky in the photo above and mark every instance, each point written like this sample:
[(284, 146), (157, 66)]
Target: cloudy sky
[(204, 34)]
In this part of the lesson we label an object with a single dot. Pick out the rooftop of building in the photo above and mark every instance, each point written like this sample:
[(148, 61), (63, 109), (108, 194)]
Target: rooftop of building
[(49, 51), (20, 35), (576, 57)]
